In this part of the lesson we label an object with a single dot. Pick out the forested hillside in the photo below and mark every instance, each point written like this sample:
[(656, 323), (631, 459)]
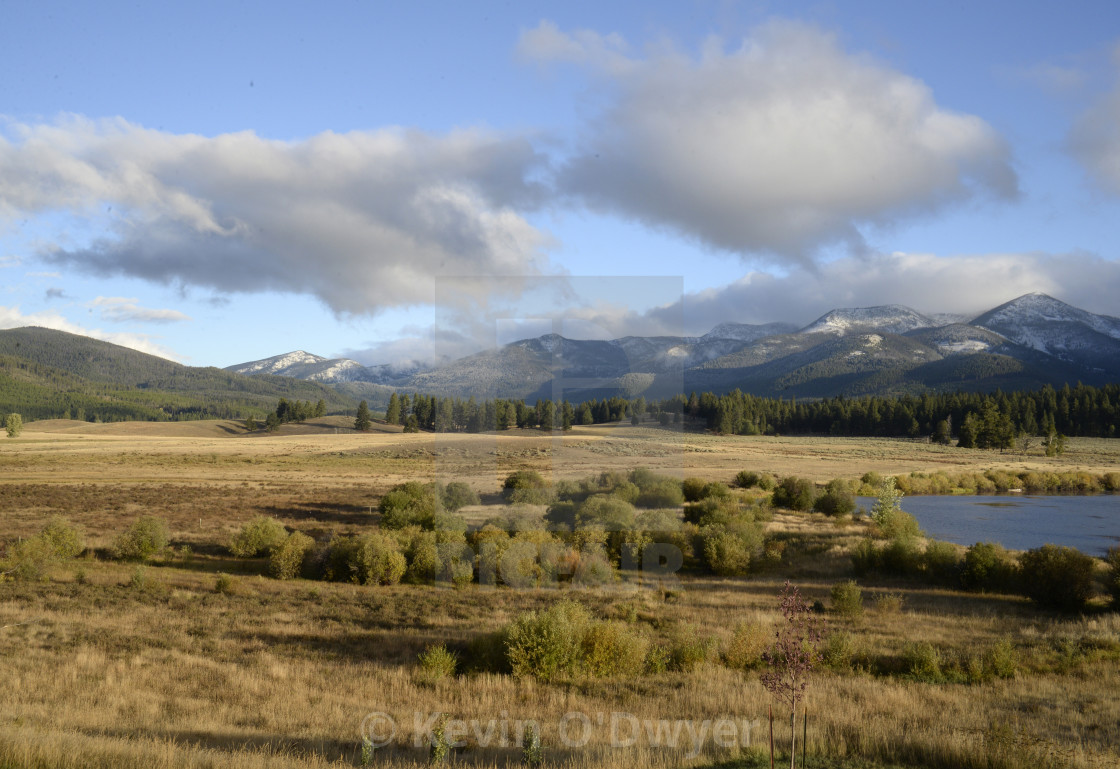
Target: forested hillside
[(48, 374)]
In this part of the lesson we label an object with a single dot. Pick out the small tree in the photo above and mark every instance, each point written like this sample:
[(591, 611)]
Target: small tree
[(362, 422), (14, 425), (1054, 443), (888, 502), (796, 651)]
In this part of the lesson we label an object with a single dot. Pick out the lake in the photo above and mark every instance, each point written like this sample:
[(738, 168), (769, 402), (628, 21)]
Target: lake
[(1018, 521)]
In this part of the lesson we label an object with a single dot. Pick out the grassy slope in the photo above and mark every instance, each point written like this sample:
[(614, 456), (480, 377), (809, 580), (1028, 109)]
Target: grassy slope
[(44, 372)]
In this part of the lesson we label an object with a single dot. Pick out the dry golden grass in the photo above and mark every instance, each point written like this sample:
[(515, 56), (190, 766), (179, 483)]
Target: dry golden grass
[(279, 674)]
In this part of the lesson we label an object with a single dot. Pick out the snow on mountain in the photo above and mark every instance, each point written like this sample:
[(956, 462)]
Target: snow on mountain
[(304, 365), (746, 332), (958, 338), (277, 364), (856, 349), (1051, 326), (891, 318)]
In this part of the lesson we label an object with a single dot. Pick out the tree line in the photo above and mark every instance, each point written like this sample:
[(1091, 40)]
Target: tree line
[(975, 420)]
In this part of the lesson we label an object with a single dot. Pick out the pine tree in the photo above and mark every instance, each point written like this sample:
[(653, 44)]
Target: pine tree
[(393, 411), (14, 425), (362, 422), (320, 409)]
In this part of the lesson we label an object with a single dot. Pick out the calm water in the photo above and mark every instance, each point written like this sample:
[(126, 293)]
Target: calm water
[(1018, 522)]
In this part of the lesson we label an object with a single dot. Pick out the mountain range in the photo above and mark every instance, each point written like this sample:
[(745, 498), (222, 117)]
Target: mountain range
[(888, 350)]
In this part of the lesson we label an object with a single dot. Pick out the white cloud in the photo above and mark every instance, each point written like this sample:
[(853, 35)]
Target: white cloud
[(10, 260), (11, 317), (964, 284), (1095, 137), (362, 220), (122, 310), (43, 275), (780, 146)]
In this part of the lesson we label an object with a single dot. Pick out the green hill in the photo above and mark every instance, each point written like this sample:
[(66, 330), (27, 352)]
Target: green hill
[(49, 374)]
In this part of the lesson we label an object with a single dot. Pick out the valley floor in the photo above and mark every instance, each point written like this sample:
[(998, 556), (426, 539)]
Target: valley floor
[(112, 665)]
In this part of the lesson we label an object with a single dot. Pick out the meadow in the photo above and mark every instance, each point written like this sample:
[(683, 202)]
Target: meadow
[(197, 658)]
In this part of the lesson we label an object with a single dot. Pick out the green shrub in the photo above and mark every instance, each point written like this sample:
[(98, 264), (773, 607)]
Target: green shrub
[(922, 661), (435, 664), (225, 585), (693, 489), (714, 511), (744, 650), (730, 549), (524, 479), (593, 568), (440, 556), (767, 482), (987, 566), (658, 659), (527, 487), (898, 524), (139, 578), (1000, 661), (546, 645), (1112, 578), (147, 536), (689, 650), (901, 557), (1057, 577), (942, 563), (409, 504), (745, 479), (64, 538), (839, 650), (888, 603), (286, 559), (847, 599), (29, 560), (258, 537), (608, 512), (371, 559), (664, 493), (870, 483), (795, 494), (865, 557), (837, 499), (611, 649), (457, 495)]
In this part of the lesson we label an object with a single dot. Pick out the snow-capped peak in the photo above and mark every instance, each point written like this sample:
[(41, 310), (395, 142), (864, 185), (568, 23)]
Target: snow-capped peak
[(891, 318), (1043, 322)]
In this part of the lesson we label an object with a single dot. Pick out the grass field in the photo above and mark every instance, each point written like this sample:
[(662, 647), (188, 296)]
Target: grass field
[(107, 665)]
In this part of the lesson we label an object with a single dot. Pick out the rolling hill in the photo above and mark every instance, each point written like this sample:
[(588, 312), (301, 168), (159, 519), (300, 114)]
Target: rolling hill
[(46, 373)]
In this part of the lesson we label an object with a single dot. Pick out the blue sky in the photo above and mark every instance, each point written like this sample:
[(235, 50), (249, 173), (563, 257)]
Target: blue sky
[(221, 182)]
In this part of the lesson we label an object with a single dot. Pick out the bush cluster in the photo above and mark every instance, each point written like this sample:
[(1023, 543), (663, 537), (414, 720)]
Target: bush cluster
[(795, 494), (847, 599), (1057, 577), (258, 537), (147, 536)]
